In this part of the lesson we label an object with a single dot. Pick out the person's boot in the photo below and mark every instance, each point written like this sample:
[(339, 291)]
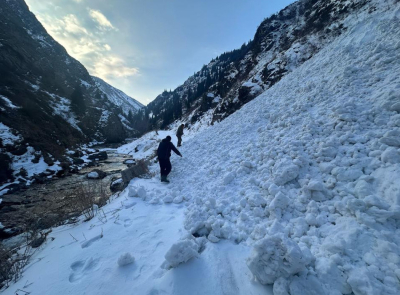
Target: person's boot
[(164, 179)]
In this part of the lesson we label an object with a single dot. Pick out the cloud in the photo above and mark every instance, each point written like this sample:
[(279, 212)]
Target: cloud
[(112, 66), (88, 45), (98, 17)]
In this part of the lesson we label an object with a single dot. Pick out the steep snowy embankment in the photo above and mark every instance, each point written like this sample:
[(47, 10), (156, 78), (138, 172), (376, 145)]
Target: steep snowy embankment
[(306, 175), (313, 162)]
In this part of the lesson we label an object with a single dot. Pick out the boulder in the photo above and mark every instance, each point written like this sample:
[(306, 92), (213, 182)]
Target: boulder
[(96, 174), (117, 185), (130, 162), (101, 156), (78, 161)]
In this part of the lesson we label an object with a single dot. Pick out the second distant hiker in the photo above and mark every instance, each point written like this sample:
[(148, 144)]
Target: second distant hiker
[(179, 134), (163, 154)]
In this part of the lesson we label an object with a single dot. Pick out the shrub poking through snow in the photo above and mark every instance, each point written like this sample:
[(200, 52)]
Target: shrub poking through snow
[(181, 252), (125, 259), (86, 196), (274, 257)]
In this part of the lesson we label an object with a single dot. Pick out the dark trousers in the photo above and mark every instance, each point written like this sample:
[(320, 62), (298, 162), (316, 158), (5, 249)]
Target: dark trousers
[(165, 166), (179, 140)]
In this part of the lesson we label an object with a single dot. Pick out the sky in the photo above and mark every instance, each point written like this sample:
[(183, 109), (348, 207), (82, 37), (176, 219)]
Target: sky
[(146, 46)]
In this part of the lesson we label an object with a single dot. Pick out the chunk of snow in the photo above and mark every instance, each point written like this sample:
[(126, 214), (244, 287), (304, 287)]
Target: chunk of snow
[(229, 177), (274, 257), (285, 171), (391, 155), (181, 252), (125, 259)]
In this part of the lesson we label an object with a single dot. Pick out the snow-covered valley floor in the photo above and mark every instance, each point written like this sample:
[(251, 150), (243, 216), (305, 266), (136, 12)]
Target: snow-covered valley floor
[(300, 189)]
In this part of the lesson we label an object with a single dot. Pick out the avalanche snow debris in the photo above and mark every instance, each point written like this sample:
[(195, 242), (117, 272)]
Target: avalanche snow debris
[(181, 252), (274, 257), (314, 159)]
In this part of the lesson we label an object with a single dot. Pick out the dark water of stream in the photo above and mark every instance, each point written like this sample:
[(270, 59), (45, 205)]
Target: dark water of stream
[(52, 203)]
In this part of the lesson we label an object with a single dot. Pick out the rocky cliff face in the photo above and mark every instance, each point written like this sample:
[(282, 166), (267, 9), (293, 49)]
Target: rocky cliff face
[(48, 100), (282, 42)]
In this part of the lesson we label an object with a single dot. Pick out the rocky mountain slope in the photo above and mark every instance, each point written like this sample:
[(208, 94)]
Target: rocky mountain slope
[(117, 97), (282, 43), (48, 100)]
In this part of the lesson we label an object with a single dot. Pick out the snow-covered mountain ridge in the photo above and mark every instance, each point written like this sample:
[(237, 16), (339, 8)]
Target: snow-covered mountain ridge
[(117, 97), (48, 100), (305, 176)]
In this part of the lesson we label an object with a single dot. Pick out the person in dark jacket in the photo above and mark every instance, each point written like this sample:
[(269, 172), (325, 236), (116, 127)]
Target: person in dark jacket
[(163, 154), (179, 134)]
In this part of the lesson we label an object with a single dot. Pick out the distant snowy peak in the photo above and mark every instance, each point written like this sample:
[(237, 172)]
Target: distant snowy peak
[(117, 97)]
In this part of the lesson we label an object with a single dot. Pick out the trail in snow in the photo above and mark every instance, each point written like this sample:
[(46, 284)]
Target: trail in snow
[(146, 231)]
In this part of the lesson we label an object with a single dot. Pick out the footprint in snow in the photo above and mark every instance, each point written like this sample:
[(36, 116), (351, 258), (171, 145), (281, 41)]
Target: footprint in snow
[(130, 205), (127, 222), (144, 243), (158, 233), (139, 217), (143, 234), (81, 268), (159, 244)]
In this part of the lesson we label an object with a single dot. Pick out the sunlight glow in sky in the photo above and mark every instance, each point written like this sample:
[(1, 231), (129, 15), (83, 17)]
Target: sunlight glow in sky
[(145, 46)]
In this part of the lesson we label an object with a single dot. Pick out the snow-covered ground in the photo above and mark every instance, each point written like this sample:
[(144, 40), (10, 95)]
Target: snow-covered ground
[(84, 259), (299, 189)]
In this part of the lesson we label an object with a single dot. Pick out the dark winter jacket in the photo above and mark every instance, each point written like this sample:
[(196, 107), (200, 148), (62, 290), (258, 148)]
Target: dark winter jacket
[(164, 149), (180, 131)]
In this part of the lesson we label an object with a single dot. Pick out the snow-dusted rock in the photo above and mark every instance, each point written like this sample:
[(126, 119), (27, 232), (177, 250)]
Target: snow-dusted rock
[(274, 257), (93, 175), (96, 174)]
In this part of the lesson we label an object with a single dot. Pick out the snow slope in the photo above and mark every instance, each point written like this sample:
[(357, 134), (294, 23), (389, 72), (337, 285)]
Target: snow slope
[(306, 175)]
